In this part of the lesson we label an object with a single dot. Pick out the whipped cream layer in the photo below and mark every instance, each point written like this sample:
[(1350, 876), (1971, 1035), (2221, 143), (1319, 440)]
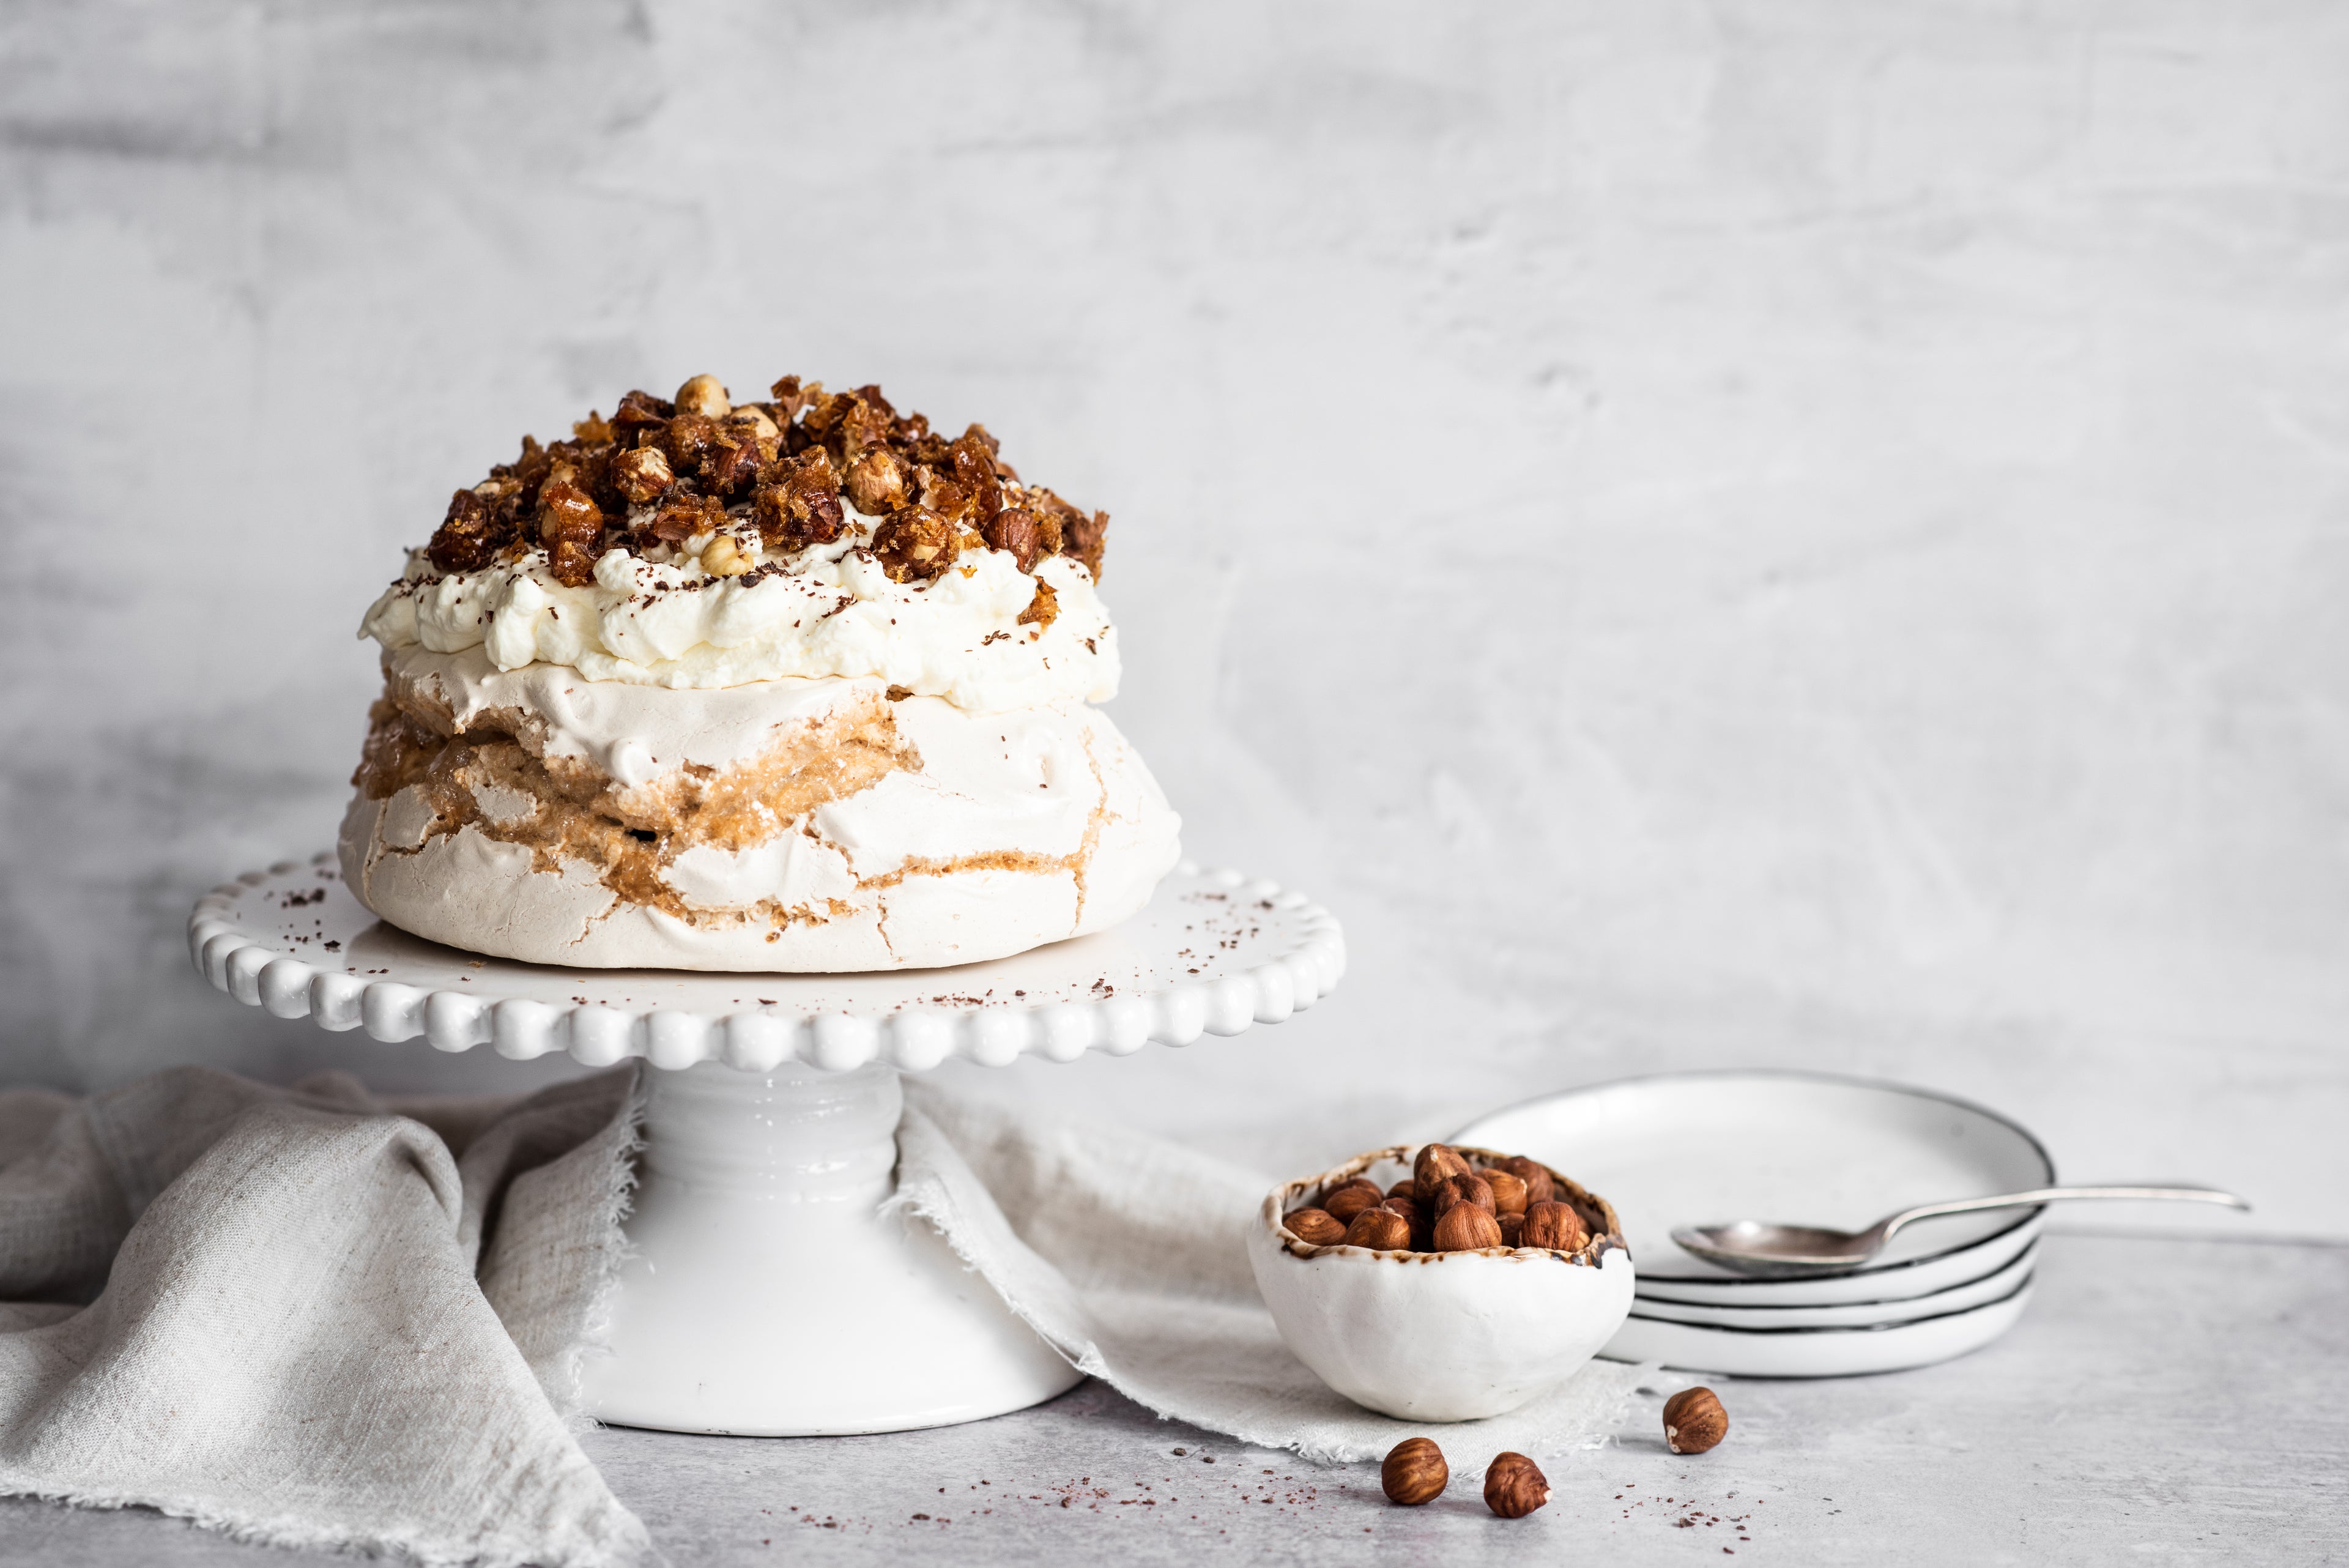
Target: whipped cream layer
[(828, 611), (632, 734)]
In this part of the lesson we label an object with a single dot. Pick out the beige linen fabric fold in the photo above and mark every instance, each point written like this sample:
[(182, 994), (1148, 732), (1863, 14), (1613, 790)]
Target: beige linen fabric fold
[(295, 1316)]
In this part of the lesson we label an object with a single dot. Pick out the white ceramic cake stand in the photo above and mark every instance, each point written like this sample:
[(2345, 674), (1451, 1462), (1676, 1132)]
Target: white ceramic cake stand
[(766, 1292)]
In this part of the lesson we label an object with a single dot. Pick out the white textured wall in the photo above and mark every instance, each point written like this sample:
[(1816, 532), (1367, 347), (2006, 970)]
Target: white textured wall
[(1799, 533)]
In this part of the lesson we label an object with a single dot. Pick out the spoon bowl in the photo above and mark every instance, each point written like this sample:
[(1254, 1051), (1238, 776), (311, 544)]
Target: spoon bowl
[(1763, 1248)]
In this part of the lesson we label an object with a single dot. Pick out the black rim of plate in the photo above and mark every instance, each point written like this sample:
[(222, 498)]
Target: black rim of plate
[(2023, 1216), (2021, 1285), (2026, 1260)]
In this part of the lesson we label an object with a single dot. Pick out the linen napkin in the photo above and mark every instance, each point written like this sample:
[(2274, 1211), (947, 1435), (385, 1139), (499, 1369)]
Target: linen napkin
[(310, 1317), (290, 1315), (1129, 1256)]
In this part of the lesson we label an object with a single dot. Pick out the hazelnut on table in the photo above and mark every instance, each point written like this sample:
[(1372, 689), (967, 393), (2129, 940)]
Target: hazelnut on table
[(1414, 1472), (1694, 1421), (1514, 1486)]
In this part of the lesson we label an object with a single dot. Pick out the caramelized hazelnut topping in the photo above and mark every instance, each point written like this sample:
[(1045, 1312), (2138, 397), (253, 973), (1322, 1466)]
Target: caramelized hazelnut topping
[(915, 544), (730, 464), (798, 505), (468, 537), (642, 475), (699, 461), (876, 481)]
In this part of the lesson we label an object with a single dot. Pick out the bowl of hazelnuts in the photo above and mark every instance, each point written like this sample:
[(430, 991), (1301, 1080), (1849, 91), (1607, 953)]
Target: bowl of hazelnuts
[(1436, 1283)]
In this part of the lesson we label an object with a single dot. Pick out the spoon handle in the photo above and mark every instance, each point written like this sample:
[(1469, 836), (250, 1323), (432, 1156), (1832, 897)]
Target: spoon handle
[(2059, 1195)]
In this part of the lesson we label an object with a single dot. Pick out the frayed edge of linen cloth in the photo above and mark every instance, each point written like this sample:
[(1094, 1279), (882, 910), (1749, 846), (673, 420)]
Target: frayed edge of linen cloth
[(296, 1317), (303, 1533), (1128, 1255)]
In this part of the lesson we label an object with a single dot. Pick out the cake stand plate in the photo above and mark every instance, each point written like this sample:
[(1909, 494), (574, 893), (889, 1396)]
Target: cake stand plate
[(766, 1291)]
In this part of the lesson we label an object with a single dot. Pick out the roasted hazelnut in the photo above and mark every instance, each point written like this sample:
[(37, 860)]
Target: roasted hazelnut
[(762, 428), (706, 396), (637, 413), (1406, 1187), (567, 512), (1514, 1486), (1381, 1230), (1423, 1228), (1513, 1230), (730, 464), (800, 506), (574, 565), (723, 557), (1509, 1191), (876, 481), (1413, 1472), (1467, 1228), (1048, 536), (1350, 1199), (1694, 1421), (642, 475), (1015, 533), (1553, 1225), (1539, 1187), (1315, 1227), (683, 515), (914, 545), (1436, 1163), (864, 422), (686, 440), (1466, 1187)]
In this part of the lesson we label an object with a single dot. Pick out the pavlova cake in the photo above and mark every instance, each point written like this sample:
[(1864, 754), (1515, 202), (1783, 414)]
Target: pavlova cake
[(796, 684)]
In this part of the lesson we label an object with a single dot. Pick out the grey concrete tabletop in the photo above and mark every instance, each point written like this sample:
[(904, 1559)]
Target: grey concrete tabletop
[(2182, 1401)]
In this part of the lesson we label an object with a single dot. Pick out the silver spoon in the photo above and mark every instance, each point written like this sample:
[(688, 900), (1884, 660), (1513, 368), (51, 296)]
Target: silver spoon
[(1759, 1247)]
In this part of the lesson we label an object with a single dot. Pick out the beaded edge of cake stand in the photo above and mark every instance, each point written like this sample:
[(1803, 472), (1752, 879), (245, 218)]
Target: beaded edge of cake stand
[(253, 972)]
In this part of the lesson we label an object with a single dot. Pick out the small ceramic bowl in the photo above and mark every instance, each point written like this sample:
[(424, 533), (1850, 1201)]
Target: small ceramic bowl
[(1440, 1337)]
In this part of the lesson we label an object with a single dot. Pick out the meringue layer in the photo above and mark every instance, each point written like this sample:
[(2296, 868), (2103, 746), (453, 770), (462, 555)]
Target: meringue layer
[(826, 823)]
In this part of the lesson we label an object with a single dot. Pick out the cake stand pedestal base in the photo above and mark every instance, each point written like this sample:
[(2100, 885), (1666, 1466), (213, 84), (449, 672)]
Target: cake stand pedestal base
[(766, 1293)]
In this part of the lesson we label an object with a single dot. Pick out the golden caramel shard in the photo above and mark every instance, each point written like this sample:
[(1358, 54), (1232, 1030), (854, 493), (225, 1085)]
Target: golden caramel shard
[(1043, 610)]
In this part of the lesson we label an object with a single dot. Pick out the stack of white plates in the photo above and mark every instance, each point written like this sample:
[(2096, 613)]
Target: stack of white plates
[(1700, 1147)]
